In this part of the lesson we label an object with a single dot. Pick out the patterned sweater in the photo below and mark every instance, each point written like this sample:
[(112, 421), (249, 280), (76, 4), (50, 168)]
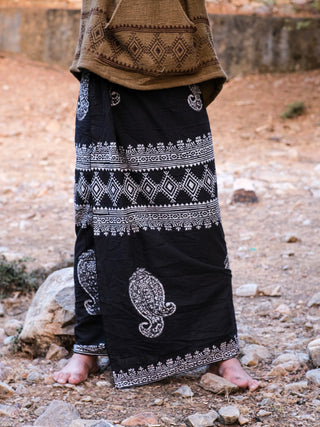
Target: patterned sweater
[(149, 44)]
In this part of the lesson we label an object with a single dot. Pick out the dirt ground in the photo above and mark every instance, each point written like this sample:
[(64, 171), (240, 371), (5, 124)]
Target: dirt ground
[(279, 158)]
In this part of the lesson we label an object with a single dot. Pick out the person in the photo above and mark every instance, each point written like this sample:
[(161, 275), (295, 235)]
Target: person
[(152, 276)]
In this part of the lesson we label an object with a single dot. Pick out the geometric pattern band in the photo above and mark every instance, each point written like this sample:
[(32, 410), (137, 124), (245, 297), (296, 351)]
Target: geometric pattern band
[(120, 221), (111, 156), (108, 190)]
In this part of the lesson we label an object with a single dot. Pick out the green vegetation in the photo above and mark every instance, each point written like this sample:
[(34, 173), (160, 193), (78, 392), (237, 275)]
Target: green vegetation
[(15, 277), (294, 110)]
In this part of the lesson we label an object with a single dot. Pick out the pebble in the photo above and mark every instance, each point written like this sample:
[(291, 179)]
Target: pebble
[(283, 309), (141, 419), (314, 376), (9, 411), (247, 290), (263, 413), (278, 371), (202, 420), (264, 309), (9, 340), (270, 291), (297, 387), (56, 352), (58, 414), (184, 391), (291, 238), (229, 414), (243, 420), (5, 390), (34, 377), (217, 384), (104, 363), (2, 312), (315, 300), (314, 352), (244, 196), (291, 362), (48, 379), (254, 353)]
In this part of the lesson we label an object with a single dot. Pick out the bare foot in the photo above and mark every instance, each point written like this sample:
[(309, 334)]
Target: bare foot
[(77, 369), (232, 371)]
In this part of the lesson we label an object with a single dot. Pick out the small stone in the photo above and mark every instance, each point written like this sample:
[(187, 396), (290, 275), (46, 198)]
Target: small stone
[(217, 384), (283, 309), (263, 413), (5, 390), (253, 354), (141, 419), (58, 414), (202, 420), (34, 377), (9, 340), (314, 376), (2, 312), (184, 391), (243, 420), (56, 352), (297, 387), (278, 371), (247, 290), (270, 291), (291, 362), (48, 380), (291, 238), (229, 414), (87, 399), (264, 309), (244, 196), (158, 402), (315, 300), (12, 327), (314, 352), (9, 411), (104, 363)]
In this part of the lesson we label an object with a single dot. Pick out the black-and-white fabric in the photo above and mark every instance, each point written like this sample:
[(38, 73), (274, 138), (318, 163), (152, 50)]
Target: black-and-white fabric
[(153, 284)]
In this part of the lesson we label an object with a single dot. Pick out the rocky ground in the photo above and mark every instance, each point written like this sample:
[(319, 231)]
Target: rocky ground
[(273, 245)]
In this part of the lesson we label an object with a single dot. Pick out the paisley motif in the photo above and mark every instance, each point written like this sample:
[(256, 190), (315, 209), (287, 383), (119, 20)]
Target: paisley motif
[(148, 298), (194, 100), (114, 98), (87, 276), (83, 101)]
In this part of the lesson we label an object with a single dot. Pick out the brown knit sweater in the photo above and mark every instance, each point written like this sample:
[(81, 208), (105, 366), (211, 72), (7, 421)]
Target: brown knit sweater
[(149, 44)]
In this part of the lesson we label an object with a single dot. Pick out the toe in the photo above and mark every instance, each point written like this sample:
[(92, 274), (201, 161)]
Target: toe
[(76, 378), (61, 377), (253, 385)]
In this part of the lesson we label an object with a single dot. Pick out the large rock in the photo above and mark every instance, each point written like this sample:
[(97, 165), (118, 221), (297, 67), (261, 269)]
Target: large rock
[(50, 317)]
